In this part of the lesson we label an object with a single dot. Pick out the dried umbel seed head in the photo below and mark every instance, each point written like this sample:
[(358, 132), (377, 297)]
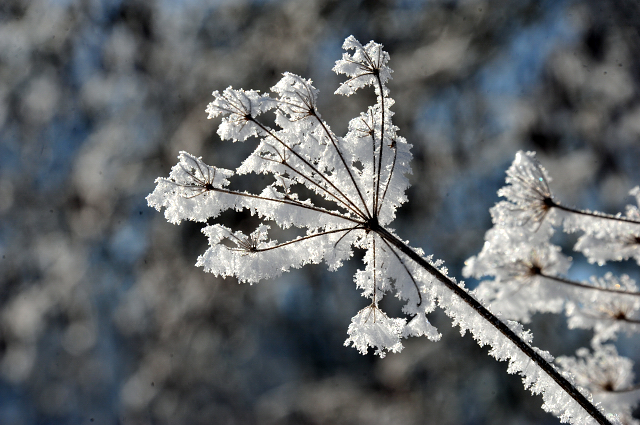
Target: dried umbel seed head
[(362, 175), (361, 179), (528, 190)]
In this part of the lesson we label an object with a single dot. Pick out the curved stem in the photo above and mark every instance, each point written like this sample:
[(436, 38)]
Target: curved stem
[(406, 269), (315, 235), (627, 390), (284, 201), (594, 215), (335, 146), (585, 286), (393, 167), (377, 192), (498, 324)]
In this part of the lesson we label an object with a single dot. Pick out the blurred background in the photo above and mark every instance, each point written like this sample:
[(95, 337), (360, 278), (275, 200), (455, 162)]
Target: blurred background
[(105, 319)]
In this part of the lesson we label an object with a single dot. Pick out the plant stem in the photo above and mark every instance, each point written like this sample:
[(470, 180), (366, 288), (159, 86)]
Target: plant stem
[(585, 286), (497, 323), (594, 214)]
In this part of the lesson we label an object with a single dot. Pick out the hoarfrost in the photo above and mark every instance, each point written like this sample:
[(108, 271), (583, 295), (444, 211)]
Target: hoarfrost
[(363, 176)]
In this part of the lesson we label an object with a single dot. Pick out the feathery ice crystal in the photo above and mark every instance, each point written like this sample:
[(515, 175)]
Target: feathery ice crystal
[(363, 176)]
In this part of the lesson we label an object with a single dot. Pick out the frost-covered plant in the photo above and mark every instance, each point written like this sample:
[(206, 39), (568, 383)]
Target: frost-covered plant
[(362, 176), (528, 276)]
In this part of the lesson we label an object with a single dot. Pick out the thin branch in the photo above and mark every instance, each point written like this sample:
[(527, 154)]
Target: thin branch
[(373, 69), (595, 215), (376, 196), (585, 286), (283, 201), (308, 164), (343, 236), (374, 302), (315, 183), (406, 269), (303, 238), (393, 167), (335, 146)]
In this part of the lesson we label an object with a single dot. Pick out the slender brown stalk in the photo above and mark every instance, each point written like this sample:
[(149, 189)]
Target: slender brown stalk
[(284, 201), (335, 146), (377, 193), (585, 286), (603, 216), (627, 390), (304, 238)]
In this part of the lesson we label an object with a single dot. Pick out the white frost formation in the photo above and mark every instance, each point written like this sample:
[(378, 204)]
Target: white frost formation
[(357, 182)]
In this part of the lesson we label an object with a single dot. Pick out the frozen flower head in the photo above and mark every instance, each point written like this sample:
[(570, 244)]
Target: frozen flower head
[(367, 66), (526, 269), (239, 109), (297, 97), (608, 376), (339, 193), (527, 275), (527, 191), (191, 190)]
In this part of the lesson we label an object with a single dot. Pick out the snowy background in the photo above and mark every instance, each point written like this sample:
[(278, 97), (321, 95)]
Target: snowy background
[(103, 317)]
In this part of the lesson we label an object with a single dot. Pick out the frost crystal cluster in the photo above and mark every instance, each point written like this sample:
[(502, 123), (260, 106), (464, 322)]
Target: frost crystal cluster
[(342, 193), (529, 276)]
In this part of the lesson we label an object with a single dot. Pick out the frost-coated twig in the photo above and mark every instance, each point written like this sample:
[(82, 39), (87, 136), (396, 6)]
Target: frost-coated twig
[(595, 215), (581, 285), (549, 369)]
